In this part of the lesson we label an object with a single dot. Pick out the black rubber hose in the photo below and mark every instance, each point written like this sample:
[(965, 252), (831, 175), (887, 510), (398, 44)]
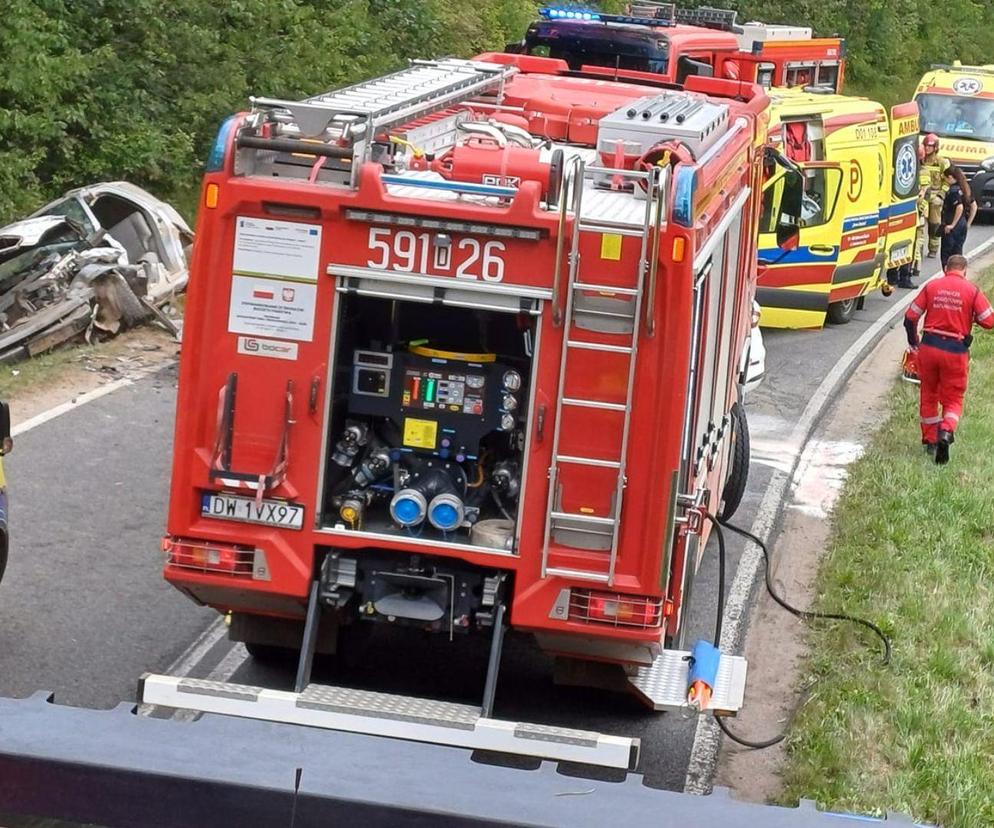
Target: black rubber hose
[(719, 619), (805, 615)]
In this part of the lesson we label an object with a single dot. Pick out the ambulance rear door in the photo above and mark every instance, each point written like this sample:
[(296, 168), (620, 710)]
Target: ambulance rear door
[(899, 218)]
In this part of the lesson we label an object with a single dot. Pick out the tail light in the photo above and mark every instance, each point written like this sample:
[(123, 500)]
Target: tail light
[(209, 557), (614, 608)]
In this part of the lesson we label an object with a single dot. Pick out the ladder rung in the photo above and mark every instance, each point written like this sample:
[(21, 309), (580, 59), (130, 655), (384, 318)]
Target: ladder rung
[(577, 574), (581, 518), (606, 289), (587, 461), (597, 346), (593, 312), (612, 229), (640, 175), (607, 406)]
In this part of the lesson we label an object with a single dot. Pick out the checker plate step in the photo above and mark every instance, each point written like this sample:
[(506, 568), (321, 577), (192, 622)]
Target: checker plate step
[(663, 684), (394, 716)]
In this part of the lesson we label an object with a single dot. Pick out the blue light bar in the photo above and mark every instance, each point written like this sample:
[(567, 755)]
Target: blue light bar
[(683, 205), (551, 13), (569, 14), (215, 160)]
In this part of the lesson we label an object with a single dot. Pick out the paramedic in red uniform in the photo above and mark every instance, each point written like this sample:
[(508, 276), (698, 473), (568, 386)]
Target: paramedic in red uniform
[(950, 305)]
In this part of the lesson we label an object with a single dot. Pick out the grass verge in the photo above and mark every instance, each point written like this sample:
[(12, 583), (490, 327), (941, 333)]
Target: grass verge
[(913, 549), (41, 370)]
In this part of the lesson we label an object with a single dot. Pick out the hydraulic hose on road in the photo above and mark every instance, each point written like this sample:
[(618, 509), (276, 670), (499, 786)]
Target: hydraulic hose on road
[(804, 615)]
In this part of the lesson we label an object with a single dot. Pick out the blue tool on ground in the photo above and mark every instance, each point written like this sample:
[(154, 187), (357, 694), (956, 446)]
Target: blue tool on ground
[(702, 674)]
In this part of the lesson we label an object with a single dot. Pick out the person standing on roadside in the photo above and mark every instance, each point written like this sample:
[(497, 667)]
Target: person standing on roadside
[(951, 305), (958, 211), (932, 168)]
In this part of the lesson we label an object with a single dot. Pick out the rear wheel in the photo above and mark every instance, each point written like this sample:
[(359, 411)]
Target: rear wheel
[(738, 464), (841, 312)]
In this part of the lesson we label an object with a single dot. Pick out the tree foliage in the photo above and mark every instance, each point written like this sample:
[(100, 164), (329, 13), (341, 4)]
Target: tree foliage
[(135, 89)]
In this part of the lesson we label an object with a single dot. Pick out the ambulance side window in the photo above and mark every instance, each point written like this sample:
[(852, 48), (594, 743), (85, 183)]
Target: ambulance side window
[(772, 196), (821, 194)]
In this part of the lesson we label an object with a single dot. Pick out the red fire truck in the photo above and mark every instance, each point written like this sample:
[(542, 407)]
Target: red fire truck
[(462, 349), (675, 43)]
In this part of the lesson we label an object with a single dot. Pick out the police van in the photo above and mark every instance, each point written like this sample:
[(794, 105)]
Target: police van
[(859, 218), (956, 103)]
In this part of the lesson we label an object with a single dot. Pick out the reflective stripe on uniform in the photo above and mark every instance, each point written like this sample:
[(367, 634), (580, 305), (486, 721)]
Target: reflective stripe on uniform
[(952, 415), (916, 309), (982, 316), (931, 420)]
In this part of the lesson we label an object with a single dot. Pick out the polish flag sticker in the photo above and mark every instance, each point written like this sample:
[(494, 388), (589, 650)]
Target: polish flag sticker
[(263, 293)]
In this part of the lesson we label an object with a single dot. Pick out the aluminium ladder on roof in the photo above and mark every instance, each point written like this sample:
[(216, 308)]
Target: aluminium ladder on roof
[(362, 110)]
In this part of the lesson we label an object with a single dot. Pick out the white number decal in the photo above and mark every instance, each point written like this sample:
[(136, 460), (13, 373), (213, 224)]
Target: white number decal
[(406, 252), (376, 243), (462, 272), (403, 247), (493, 264)]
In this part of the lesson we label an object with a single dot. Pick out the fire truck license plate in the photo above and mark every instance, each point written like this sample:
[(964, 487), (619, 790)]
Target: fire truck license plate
[(245, 509)]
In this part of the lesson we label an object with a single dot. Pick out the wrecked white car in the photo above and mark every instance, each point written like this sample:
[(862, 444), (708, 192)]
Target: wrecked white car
[(101, 258)]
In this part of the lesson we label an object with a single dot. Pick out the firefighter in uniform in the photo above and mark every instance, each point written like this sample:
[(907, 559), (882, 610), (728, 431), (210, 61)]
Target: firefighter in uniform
[(933, 181), (950, 305)]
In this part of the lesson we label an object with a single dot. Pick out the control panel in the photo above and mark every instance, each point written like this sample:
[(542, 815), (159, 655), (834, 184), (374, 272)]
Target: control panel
[(430, 390), (436, 402)]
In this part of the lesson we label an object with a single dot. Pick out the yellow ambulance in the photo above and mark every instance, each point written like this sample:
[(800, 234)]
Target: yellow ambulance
[(957, 103), (859, 218)]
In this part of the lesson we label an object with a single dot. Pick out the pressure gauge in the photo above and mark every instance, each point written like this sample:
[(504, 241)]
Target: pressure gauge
[(508, 402), (475, 382), (507, 422), (512, 380)]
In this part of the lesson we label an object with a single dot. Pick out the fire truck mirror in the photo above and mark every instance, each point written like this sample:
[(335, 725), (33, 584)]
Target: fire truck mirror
[(687, 66)]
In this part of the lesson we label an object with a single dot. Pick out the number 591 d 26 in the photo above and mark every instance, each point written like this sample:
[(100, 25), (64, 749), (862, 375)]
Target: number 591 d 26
[(408, 252)]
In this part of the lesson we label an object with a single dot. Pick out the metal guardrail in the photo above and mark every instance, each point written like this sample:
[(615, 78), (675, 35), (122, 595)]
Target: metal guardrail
[(114, 768)]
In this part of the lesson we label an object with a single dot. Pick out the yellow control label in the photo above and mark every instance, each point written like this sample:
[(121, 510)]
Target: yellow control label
[(420, 433), (611, 247)]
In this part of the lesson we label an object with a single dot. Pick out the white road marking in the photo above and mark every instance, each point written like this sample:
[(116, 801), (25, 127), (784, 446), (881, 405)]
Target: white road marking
[(229, 665), (704, 754), (225, 669), (191, 656), (84, 398), (59, 410), (198, 650)]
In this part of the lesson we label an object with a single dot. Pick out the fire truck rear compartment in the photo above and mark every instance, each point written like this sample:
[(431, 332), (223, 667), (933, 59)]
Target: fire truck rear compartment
[(427, 421)]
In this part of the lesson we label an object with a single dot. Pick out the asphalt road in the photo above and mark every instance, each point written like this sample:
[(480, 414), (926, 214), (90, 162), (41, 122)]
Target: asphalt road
[(84, 610)]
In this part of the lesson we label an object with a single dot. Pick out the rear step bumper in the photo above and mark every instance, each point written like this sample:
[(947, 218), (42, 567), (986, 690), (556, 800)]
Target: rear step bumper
[(399, 717), (662, 686)]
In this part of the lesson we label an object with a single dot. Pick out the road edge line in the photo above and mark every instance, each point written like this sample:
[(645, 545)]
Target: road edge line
[(76, 402), (707, 737)]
